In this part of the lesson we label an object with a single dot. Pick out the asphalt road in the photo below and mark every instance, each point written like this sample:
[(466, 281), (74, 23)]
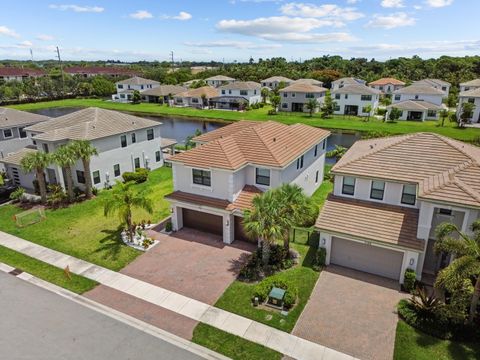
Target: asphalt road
[(39, 325)]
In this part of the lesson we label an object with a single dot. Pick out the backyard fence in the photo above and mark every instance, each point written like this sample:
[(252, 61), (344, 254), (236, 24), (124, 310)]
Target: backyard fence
[(306, 236)]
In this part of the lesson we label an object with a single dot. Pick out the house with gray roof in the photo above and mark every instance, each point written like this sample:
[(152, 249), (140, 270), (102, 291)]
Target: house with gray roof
[(470, 85), (355, 99), (418, 102), (125, 88), (274, 81), (219, 80), (237, 95), (339, 83), (162, 94), (295, 97), (471, 96), (437, 84)]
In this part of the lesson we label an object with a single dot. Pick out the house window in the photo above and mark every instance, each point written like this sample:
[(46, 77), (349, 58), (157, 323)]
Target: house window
[(324, 144), (293, 94), (116, 170), (444, 88), (337, 96), (123, 140), (471, 100), (336, 108), (141, 86), (285, 94), (201, 177), (120, 86), (262, 176), (22, 133), (346, 96), (416, 97), (409, 194), (300, 162), (150, 134), (243, 92), (284, 106), (136, 163), (7, 133), (315, 152), (134, 138), (366, 98), (377, 190), (194, 100), (96, 177), (309, 95), (230, 92), (316, 177), (158, 157), (45, 148), (223, 92), (348, 186), (397, 97), (445, 212), (80, 177), (431, 113)]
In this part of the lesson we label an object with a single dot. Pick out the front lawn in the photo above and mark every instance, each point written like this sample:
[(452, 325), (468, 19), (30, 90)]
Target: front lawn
[(321, 194), (81, 230), (413, 344)]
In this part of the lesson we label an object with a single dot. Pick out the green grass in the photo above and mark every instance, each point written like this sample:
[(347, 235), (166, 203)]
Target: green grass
[(81, 230), (320, 195), (77, 284), (413, 344), (230, 345), (337, 122)]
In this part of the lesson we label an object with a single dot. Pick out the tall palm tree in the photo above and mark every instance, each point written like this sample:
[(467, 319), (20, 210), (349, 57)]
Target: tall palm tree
[(443, 115), (37, 161), (65, 157), (122, 200), (466, 265), (84, 150), (311, 106)]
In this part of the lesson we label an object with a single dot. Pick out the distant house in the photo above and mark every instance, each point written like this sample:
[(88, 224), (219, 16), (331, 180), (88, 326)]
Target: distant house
[(418, 102), (437, 84), (198, 98), (295, 96), (470, 85), (125, 88), (273, 81), (387, 85), (354, 99), (219, 80), (236, 95), (162, 93), (308, 82), (338, 84), (19, 74), (89, 71), (471, 96)]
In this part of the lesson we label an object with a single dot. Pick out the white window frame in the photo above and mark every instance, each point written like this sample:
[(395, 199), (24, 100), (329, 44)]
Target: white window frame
[(11, 133)]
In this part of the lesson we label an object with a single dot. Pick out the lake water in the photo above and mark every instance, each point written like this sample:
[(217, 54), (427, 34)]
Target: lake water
[(179, 128)]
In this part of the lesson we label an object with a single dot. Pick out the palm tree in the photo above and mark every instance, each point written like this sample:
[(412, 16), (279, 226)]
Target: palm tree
[(275, 101), (368, 109), (37, 161), (443, 115), (84, 150), (122, 200), (466, 265), (311, 106), (466, 114), (65, 157), (265, 93)]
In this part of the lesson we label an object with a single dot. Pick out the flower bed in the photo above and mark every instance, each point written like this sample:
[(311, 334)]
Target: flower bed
[(140, 239)]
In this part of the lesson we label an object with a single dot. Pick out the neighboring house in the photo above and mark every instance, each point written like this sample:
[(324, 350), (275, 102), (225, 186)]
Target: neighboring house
[(219, 80), (387, 85), (472, 96), (237, 95), (437, 84), (418, 102), (389, 196), (19, 74), (125, 88), (295, 96), (273, 82), (162, 93), (354, 99), (13, 136), (338, 84), (198, 98), (124, 143), (90, 71), (216, 181), (470, 85), (308, 82)]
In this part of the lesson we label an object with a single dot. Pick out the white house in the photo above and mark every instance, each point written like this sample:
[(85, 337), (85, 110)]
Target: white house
[(389, 196), (198, 98), (339, 83), (219, 80), (437, 84), (125, 88), (273, 81), (354, 100), (471, 96), (237, 95), (217, 180), (418, 102), (470, 85), (124, 143), (295, 96), (387, 85)]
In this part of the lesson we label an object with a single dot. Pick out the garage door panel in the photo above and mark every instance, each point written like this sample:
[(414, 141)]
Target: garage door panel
[(202, 221), (367, 258)]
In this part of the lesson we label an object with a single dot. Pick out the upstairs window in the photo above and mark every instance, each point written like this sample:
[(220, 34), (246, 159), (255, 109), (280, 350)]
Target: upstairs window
[(243, 92), (120, 86), (324, 144), (300, 162), (116, 170), (337, 96), (45, 148), (7, 133), (262, 176), (309, 95), (315, 152), (123, 140), (201, 177), (285, 94), (366, 98), (158, 156), (397, 97), (223, 92), (348, 186), (150, 134), (134, 138), (22, 133), (409, 194), (96, 177), (377, 191)]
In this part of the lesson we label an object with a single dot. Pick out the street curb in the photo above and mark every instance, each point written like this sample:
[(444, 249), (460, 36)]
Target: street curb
[(119, 316)]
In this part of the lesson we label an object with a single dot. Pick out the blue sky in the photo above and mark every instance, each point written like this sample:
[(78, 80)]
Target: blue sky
[(238, 29)]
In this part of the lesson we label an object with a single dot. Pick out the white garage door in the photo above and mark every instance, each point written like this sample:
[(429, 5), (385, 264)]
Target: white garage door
[(368, 258)]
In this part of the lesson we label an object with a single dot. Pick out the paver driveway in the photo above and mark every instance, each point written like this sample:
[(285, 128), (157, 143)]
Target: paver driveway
[(352, 312), (189, 262)]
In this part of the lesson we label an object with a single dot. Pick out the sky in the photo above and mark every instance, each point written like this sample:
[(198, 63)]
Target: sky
[(235, 30)]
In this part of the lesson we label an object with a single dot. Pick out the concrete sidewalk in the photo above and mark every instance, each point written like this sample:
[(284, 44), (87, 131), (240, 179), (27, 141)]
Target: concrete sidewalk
[(277, 340)]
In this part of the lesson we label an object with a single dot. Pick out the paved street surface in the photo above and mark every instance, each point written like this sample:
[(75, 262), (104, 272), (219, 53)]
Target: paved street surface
[(37, 324)]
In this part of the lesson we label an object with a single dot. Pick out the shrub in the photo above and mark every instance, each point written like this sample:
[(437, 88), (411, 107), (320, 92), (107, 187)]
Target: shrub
[(320, 258), (17, 194), (262, 289), (409, 280), (168, 226), (381, 111), (94, 191), (77, 192), (252, 269), (57, 196), (272, 112), (139, 176)]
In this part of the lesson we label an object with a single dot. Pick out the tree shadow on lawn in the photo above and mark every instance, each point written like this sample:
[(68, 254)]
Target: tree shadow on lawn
[(112, 244)]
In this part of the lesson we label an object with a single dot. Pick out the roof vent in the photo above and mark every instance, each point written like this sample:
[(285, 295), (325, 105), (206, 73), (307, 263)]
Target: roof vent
[(371, 146), (274, 139)]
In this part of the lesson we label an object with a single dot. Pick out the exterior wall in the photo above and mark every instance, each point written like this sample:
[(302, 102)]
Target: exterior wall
[(196, 102), (25, 179), (355, 100), (387, 88), (253, 96), (425, 116), (476, 111), (273, 84), (288, 98), (466, 88), (139, 87), (435, 99)]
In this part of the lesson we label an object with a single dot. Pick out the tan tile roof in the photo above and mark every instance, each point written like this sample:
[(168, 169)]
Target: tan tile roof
[(474, 82), (198, 200), (470, 93), (418, 88), (277, 79), (166, 142), (443, 168), (88, 124), (303, 88), (16, 157), (225, 130), (366, 220), (308, 81), (164, 90), (386, 81), (219, 78), (198, 92), (11, 117), (244, 199), (137, 80), (241, 85), (413, 105), (356, 89), (267, 144)]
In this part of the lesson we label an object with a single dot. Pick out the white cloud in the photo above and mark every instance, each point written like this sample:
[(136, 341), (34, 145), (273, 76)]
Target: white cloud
[(330, 11), (44, 37), (5, 31), (78, 8), (392, 3), (391, 21), (25, 44), (140, 15), (232, 44), (182, 16), (351, 2), (417, 7), (438, 3)]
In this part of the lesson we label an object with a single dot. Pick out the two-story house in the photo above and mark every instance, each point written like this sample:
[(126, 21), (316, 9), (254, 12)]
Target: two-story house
[(418, 102), (197, 98), (387, 85), (437, 84), (219, 80), (217, 180), (339, 83), (389, 196), (123, 142), (295, 96), (237, 95), (13, 136), (471, 96), (125, 88), (470, 85), (355, 99), (273, 82)]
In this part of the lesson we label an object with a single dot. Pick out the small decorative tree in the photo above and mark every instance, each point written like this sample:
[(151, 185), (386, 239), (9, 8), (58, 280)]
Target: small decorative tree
[(136, 98), (328, 106), (275, 101), (368, 109), (443, 116), (265, 94), (312, 106), (466, 114), (394, 114)]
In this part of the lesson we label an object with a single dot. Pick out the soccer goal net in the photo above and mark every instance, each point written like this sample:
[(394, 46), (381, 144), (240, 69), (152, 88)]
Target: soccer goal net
[(30, 217)]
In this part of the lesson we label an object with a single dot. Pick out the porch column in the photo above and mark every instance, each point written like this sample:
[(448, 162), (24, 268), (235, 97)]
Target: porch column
[(325, 241), (228, 228), (424, 115), (177, 218), (410, 261)]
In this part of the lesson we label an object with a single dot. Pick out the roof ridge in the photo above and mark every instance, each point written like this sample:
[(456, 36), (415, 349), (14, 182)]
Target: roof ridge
[(452, 144), (450, 173), (465, 187), (221, 144)]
